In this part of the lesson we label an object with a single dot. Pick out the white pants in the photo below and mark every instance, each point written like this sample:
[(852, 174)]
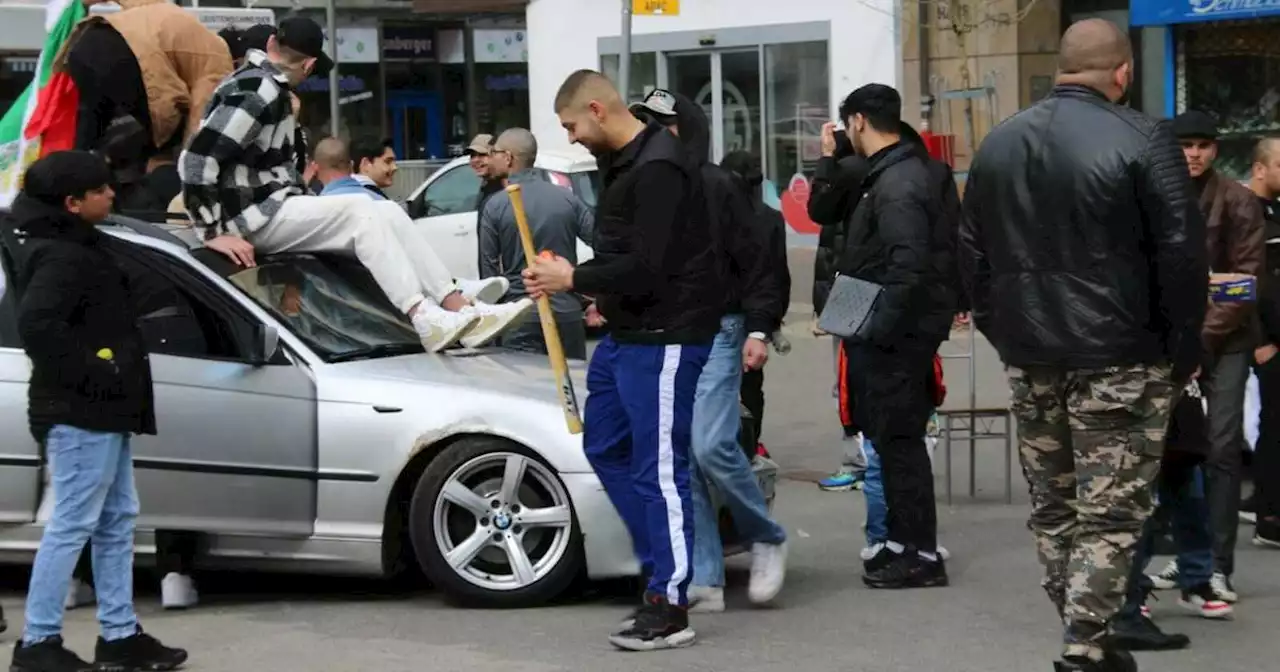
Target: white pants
[(378, 233)]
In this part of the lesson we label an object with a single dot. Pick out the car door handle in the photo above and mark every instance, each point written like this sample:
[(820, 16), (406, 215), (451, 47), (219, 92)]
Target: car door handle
[(387, 409), (462, 233)]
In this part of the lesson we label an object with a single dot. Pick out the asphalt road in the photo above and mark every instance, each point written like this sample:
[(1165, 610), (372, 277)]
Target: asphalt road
[(993, 618)]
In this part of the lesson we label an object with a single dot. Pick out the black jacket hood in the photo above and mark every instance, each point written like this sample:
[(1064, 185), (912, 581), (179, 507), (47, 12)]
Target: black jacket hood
[(695, 128), (39, 220)]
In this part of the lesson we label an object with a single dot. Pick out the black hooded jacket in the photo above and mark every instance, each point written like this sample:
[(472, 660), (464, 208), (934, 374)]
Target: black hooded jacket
[(654, 276), (89, 363), (744, 240)]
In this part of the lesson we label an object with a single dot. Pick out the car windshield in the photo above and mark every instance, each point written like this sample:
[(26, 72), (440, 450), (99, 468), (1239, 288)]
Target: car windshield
[(334, 307)]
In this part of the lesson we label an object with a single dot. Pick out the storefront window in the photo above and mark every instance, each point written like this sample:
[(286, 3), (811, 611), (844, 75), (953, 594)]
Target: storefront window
[(1231, 70), (797, 95), (644, 73), (360, 102), (504, 96)]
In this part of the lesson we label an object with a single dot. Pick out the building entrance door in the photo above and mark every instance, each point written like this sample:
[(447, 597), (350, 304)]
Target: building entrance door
[(417, 124), (727, 83)]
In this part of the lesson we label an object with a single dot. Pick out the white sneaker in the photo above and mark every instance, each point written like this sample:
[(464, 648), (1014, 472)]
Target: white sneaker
[(439, 328), (1222, 587), (1167, 579), (944, 553), (489, 290), (870, 552), (178, 591), (494, 320), (768, 569), (706, 599), (80, 594)]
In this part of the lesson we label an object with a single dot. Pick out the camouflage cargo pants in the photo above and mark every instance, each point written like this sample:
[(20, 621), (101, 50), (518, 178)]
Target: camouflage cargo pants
[(1090, 443)]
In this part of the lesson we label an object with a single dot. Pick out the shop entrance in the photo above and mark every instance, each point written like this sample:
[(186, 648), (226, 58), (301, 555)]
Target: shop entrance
[(727, 83), (417, 124)]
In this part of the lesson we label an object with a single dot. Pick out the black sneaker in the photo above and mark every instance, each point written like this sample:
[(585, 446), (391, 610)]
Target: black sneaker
[(1112, 661), (879, 561), (908, 570), (47, 656), (1265, 535), (658, 625), (1140, 633), (139, 652)]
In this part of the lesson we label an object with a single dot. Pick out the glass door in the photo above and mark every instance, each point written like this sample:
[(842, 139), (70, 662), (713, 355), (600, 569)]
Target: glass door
[(417, 127), (727, 86)]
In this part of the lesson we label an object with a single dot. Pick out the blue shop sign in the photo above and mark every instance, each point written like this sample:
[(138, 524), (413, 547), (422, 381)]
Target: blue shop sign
[(1167, 12)]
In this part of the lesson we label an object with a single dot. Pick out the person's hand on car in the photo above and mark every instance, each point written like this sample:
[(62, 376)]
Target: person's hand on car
[(235, 248)]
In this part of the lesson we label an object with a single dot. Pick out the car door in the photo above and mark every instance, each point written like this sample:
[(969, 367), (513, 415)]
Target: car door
[(19, 454), (450, 219), (236, 449)]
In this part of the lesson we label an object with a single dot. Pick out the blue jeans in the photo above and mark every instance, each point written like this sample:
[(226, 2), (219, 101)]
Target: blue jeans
[(1187, 510), (94, 497), (873, 490), (718, 459), (637, 430)]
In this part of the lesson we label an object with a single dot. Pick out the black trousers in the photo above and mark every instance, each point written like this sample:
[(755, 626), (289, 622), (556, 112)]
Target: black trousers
[(1266, 454), (1224, 387), (892, 396), (175, 552), (752, 393)]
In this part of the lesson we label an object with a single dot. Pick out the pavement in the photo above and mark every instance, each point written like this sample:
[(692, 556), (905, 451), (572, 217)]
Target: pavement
[(993, 617)]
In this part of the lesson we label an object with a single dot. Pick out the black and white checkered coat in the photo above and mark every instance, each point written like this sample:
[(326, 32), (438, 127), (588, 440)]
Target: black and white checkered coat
[(240, 166)]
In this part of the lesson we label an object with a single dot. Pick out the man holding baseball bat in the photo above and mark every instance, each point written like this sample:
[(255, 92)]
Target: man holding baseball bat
[(656, 283)]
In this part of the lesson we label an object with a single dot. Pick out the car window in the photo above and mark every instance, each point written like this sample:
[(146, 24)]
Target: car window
[(8, 305), (582, 184), (454, 192)]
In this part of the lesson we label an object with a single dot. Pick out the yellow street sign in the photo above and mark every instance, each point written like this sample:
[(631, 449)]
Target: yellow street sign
[(656, 7)]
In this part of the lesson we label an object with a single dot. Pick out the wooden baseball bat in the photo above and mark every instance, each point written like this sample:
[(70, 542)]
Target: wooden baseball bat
[(550, 332)]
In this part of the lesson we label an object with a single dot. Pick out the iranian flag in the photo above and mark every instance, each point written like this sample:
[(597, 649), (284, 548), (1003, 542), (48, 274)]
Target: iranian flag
[(43, 119)]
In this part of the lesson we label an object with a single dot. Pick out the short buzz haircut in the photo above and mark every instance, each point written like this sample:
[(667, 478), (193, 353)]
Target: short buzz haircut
[(1265, 149), (1093, 45), (332, 153), (368, 150), (584, 85)]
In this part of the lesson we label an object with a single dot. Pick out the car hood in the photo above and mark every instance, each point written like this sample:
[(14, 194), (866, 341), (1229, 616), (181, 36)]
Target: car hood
[(528, 376)]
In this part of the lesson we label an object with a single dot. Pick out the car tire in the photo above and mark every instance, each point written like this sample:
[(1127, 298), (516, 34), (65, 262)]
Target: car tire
[(438, 526)]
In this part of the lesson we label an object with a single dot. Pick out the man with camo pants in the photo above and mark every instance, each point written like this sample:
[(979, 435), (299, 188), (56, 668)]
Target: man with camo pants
[(1084, 254)]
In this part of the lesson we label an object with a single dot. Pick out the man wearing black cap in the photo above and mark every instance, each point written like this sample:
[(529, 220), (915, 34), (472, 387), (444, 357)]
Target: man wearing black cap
[(900, 237), (1236, 244), (243, 190)]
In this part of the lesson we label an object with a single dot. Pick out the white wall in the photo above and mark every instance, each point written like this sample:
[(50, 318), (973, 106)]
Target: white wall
[(563, 38)]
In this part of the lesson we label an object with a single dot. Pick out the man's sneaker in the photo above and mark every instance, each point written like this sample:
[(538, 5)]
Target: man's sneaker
[(1114, 660), (768, 570), (1141, 634), (704, 600), (489, 290), (139, 651), (439, 328), (80, 594), (1267, 533), (908, 570), (658, 625), (761, 451), (178, 591), (1203, 600), (1249, 510), (876, 558), (841, 481), (494, 320), (1221, 584), (1167, 579), (47, 656)]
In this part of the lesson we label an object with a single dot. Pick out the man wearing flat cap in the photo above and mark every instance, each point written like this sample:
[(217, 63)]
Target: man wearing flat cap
[(1236, 244)]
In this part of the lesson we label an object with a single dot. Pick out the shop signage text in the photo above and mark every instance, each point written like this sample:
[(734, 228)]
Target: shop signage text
[(1164, 12), (656, 7), (408, 43)]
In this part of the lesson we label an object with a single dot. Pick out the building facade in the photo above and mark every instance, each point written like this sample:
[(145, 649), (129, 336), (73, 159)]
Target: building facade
[(768, 75)]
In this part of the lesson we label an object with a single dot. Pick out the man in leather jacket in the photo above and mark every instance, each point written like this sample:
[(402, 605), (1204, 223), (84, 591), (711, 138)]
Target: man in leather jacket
[(1265, 184), (1083, 253), (1234, 228)]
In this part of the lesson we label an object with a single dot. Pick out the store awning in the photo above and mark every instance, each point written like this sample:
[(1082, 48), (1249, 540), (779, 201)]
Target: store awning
[(1168, 12), (469, 6)]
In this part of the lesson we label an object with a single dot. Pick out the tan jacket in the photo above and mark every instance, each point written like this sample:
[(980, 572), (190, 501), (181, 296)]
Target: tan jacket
[(1234, 224), (182, 62)]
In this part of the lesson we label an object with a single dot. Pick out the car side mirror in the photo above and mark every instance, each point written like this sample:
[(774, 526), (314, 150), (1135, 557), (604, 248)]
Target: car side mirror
[(266, 345), (417, 208)]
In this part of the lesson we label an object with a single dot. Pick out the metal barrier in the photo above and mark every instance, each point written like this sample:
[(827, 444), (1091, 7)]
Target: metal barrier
[(411, 175), (974, 423)]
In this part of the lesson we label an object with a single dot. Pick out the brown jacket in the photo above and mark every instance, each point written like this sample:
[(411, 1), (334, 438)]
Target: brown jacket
[(1234, 224), (182, 62)]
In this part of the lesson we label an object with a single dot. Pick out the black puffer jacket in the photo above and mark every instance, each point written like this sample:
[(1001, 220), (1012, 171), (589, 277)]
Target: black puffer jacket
[(89, 364), (833, 194), (743, 239), (902, 237), (1082, 245)]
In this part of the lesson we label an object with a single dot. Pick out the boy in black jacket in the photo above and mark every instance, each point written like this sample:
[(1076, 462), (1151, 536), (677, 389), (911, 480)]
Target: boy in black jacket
[(90, 390)]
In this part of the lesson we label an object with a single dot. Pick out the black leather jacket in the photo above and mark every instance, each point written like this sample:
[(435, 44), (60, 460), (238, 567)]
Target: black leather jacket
[(1082, 245)]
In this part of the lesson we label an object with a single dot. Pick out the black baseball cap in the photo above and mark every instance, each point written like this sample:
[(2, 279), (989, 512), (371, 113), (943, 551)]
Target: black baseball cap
[(305, 37), (256, 36), (1195, 125), (659, 104)]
